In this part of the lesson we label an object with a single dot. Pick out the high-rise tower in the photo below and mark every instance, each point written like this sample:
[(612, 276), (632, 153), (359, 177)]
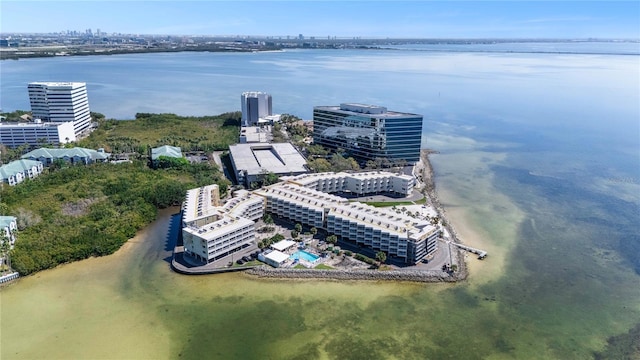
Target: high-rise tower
[(255, 105), (59, 102)]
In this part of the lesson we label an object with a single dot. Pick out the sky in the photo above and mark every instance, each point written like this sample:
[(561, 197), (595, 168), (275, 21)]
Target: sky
[(365, 19)]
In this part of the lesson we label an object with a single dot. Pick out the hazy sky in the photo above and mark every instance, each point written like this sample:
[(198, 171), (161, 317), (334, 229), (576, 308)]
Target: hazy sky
[(415, 19)]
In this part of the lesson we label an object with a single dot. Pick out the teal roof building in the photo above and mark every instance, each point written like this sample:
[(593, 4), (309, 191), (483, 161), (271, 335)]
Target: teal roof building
[(17, 171), (73, 155), (166, 150)]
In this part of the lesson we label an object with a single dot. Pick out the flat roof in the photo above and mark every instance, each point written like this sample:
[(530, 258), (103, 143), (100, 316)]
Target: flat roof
[(58, 83), (280, 158), (308, 179), (283, 245), (255, 134), (198, 203), (375, 111), (277, 256)]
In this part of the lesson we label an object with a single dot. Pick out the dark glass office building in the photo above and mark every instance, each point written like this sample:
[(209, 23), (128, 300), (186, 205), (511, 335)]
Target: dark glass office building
[(368, 132)]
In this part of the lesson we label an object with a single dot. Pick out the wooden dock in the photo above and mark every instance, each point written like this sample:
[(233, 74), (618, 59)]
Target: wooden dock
[(481, 253)]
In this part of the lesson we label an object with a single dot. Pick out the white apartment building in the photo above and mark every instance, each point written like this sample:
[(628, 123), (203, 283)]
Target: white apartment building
[(303, 199), (36, 133), (211, 231), (382, 229), (299, 204), (59, 102), (8, 227), (369, 182), (255, 105), (17, 171)]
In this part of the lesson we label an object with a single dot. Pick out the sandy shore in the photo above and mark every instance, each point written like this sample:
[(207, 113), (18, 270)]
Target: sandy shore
[(424, 170)]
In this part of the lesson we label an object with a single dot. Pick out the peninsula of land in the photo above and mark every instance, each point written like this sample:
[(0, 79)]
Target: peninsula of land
[(110, 206)]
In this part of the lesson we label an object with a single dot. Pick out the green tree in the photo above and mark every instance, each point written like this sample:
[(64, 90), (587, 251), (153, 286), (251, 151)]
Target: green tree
[(332, 239), (267, 218), (381, 256), (319, 165), (5, 247), (294, 234), (269, 178), (313, 231), (298, 227)]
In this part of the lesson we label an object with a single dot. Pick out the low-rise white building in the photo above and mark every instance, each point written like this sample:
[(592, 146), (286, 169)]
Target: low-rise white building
[(37, 133), (361, 183), (303, 199), (8, 227), (212, 230), (274, 258), (17, 171)]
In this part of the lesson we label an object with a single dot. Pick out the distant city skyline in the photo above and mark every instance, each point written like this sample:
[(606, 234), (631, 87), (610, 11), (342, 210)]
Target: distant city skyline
[(322, 19)]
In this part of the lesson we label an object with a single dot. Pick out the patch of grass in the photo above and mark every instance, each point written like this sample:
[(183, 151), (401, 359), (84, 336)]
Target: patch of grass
[(393, 203), (324, 267), (299, 266)]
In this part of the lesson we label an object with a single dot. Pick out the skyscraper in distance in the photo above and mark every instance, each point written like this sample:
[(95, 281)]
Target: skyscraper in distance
[(255, 105), (59, 102)]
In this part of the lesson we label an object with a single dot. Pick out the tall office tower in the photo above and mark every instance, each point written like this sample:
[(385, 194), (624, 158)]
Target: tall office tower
[(368, 132), (59, 102), (255, 105)]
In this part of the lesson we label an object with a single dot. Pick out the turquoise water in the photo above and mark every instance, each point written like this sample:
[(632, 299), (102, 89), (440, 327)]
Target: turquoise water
[(303, 255), (538, 163)]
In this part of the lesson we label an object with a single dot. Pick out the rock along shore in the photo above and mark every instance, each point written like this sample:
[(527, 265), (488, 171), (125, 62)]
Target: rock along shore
[(432, 197), (375, 275)]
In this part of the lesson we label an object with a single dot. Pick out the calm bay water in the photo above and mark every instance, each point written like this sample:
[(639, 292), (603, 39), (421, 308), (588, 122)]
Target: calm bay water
[(539, 164)]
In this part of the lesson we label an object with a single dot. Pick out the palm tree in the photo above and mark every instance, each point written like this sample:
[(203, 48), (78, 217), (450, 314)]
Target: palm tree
[(381, 256), (332, 239)]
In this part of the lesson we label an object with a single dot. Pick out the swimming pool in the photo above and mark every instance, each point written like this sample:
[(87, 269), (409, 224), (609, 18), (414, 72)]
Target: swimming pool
[(303, 255)]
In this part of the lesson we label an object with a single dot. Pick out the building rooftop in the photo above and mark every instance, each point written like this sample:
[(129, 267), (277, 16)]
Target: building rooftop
[(283, 245), (199, 203), (317, 200), (281, 158), (277, 256), (255, 134), (61, 153), (309, 179), (59, 84), (22, 125), (225, 224), (366, 110), (5, 221), (17, 166), (166, 150)]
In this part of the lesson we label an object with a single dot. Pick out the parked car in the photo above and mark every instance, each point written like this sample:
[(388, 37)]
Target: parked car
[(239, 261)]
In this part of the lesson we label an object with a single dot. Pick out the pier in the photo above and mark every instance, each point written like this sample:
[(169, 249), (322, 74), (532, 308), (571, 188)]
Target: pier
[(9, 277), (481, 253)]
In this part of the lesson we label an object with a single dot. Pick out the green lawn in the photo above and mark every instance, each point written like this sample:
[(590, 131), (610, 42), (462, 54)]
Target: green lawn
[(323, 267), (394, 203)]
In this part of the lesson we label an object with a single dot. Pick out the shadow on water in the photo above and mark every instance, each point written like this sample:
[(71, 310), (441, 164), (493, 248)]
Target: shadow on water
[(172, 238)]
